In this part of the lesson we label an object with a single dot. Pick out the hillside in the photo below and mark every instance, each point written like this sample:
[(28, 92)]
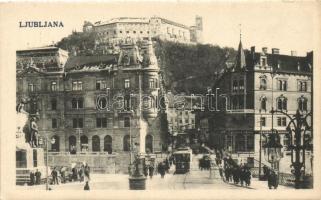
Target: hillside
[(185, 68)]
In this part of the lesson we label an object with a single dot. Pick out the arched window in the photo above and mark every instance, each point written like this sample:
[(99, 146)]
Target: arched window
[(149, 144), (263, 83), (282, 103), (95, 143), (126, 143), (72, 144), (263, 103), (302, 104), (108, 144), (55, 145), (84, 143), (235, 103)]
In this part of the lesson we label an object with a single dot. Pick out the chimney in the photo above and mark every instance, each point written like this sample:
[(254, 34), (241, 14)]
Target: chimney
[(253, 49), (275, 51), (293, 53), (264, 50)]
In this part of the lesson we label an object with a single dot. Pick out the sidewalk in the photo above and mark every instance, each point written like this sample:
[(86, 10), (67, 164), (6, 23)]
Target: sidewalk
[(261, 185)]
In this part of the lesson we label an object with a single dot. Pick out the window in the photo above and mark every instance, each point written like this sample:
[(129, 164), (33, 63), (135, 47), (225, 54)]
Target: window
[(250, 142), (35, 158), (77, 103), (141, 32), (149, 143), (134, 32), (77, 123), (151, 83), (282, 85), (108, 144), (281, 121), (234, 86), (241, 85), (127, 31), (54, 86), (21, 159), (186, 112), (263, 103), (127, 83), (302, 86), (31, 87), (126, 122), (262, 84), (55, 145), (240, 142), (120, 31), (263, 60), (186, 121), (101, 84), (263, 121), (95, 143), (76, 85), (53, 104), (101, 122), (287, 140), (302, 104), (282, 103), (126, 143), (54, 123), (193, 121)]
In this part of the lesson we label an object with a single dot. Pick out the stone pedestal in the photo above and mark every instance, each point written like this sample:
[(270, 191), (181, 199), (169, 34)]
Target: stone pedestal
[(137, 183)]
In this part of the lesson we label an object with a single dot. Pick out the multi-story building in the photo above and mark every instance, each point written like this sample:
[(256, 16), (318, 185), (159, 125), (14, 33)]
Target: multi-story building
[(116, 30), (257, 83), (93, 103)]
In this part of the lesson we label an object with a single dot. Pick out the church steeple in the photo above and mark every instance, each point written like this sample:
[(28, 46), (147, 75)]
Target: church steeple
[(240, 58)]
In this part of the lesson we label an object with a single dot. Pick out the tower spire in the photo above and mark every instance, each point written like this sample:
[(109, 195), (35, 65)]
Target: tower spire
[(240, 31)]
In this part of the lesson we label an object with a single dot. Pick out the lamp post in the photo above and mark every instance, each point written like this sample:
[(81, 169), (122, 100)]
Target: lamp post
[(52, 141), (260, 155), (272, 149), (297, 130)]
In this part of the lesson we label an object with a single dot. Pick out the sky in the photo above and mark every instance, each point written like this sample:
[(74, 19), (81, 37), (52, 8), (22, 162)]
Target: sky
[(284, 25)]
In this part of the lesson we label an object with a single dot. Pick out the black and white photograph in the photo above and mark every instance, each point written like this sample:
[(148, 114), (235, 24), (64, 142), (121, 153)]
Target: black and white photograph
[(161, 97)]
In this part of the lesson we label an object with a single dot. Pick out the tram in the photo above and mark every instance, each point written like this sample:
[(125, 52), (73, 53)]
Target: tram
[(182, 160)]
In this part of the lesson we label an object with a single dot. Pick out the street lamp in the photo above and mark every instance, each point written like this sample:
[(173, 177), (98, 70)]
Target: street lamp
[(297, 130), (272, 149), (52, 141)]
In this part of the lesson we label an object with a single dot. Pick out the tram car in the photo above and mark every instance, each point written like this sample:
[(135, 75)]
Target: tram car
[(182, 160)]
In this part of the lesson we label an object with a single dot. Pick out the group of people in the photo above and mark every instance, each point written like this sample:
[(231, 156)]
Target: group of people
[(204, 163), (237, 174), (35, 177)]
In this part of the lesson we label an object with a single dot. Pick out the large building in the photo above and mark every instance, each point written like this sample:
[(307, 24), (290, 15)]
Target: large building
[(257, 83), (93, 103), (115, 30)]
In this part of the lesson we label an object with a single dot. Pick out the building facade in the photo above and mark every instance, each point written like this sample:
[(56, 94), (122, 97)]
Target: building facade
[(115, 30), (257, 83), (104, 103)]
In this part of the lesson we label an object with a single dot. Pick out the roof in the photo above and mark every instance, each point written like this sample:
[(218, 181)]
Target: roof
[(172, 22), (90, 61), (39, 48), (124, 20), (282, 63)]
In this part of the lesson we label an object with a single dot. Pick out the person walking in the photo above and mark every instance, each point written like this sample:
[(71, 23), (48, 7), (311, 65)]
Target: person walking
[(32, 178), (161, 169), (248, 176), (151, 171), (87, 172), (54, 175), (38, 177), (272, 179)]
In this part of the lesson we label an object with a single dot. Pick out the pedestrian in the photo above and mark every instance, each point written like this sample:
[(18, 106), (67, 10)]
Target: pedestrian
[(74, 174), (38, 177), (146, 170), (220, 168), (272, 179), (32, 178), (54, 175), (81, 173), (63, 175), (86, 187), (151, 171), (161, 169), (87, 172), (248, 177)]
